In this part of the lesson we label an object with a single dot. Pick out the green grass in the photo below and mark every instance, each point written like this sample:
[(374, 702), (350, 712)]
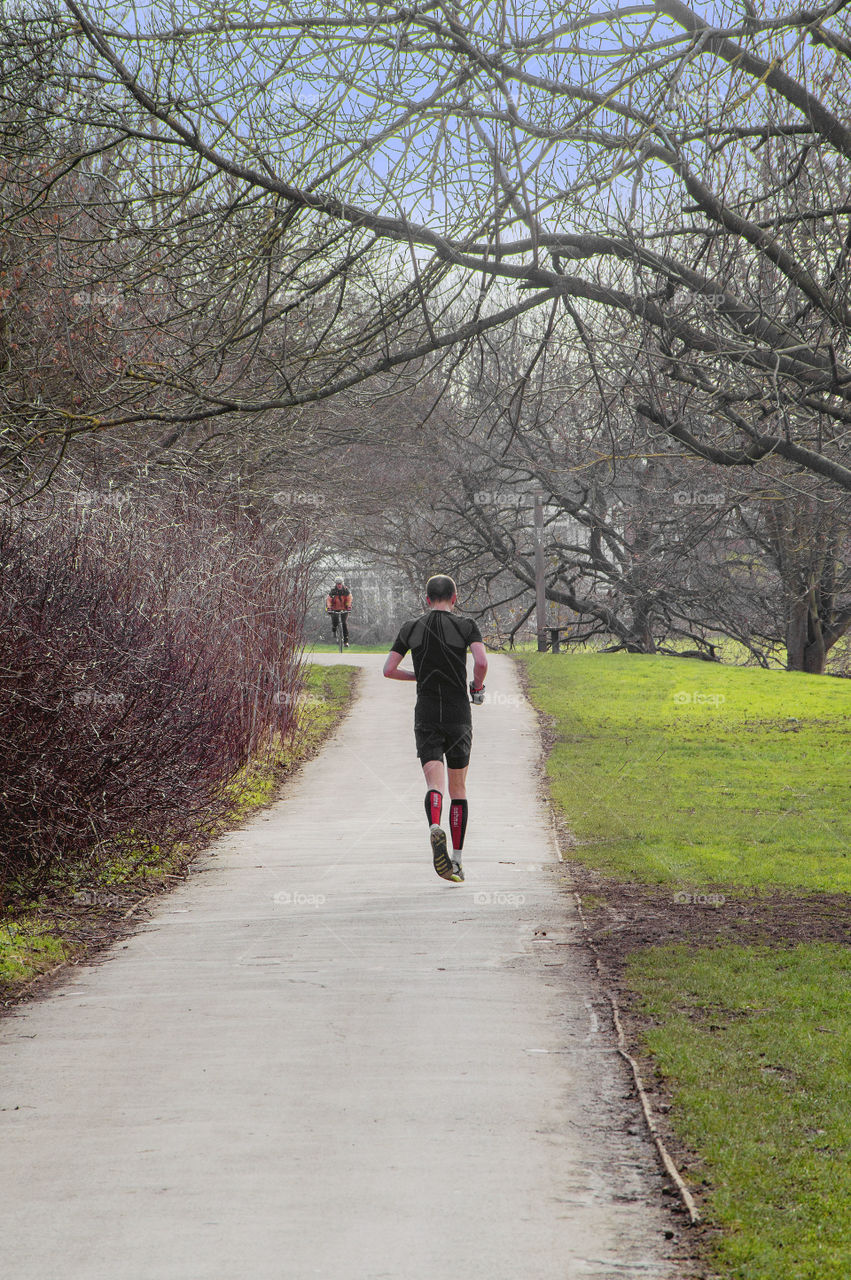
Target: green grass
[(727, 650), (671, 770), (686, 772), (28, 948), (756, 1043), (32, 941), (353, 648), (326, 693)]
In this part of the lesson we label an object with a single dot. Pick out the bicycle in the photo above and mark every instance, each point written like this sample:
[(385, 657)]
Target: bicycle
[(339, 614)]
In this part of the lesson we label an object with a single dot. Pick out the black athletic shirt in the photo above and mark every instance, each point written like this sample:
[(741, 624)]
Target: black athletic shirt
[(438, 642)]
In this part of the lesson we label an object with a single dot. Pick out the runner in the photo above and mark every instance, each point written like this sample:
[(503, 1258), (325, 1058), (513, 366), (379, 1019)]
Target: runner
[(338, 603), (443, 726)]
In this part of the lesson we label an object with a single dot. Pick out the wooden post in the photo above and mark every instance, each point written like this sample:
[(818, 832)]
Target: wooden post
[(540, 594)]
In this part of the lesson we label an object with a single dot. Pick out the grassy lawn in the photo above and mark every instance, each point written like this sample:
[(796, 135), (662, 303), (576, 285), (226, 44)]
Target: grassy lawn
[(727, 650), (692, 773), (680, 774), (756, 1041), (48, 932), (353, 648)]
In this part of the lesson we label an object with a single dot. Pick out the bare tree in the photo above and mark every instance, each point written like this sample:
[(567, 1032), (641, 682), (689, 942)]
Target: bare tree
[(686, 177), (805, 543), (296, 209), (642, 547)]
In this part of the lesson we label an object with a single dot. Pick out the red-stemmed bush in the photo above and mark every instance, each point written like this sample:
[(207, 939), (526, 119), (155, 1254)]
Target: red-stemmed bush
[(150, 645)]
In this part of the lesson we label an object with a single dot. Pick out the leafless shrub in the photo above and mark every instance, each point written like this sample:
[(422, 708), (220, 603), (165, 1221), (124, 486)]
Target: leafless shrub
[(148, 647)]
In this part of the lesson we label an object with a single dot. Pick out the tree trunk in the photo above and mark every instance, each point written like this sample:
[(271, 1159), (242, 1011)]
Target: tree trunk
[(806, 647), (642, 639)]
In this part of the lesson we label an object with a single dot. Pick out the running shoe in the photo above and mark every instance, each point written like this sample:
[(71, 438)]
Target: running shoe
[(457, 872), (443, 864)]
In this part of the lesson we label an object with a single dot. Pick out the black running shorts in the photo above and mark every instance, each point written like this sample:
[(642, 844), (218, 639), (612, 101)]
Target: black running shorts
[(436, 740)]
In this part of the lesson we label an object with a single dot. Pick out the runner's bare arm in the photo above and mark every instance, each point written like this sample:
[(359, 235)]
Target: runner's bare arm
[(393, 671), (480, 663)]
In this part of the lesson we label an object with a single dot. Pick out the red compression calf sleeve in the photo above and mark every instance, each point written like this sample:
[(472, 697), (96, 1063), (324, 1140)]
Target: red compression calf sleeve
[(458, 823), (434, 807)]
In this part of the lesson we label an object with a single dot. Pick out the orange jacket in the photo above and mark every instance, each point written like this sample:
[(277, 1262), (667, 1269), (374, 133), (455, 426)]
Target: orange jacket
[(339, 598)]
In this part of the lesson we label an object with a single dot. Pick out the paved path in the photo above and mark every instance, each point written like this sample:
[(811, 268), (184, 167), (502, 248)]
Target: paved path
[(318, 1059)]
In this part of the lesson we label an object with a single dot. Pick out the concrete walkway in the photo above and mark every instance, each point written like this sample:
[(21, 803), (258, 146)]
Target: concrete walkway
[(318, 1059)]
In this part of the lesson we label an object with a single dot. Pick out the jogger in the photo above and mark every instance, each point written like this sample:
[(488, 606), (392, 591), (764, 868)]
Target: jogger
[(443, 729)]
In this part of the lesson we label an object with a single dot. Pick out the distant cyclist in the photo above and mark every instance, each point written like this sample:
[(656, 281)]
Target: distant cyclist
[(339, 603), (443, 727)]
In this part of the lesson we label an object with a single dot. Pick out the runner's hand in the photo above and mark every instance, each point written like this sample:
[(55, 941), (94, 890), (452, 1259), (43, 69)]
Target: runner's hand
[(477, 696)]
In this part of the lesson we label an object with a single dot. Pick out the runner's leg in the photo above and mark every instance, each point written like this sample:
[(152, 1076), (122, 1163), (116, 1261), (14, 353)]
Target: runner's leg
[(458, 806), (458, 783), (435, 781), (433, 806), (434, 775)]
